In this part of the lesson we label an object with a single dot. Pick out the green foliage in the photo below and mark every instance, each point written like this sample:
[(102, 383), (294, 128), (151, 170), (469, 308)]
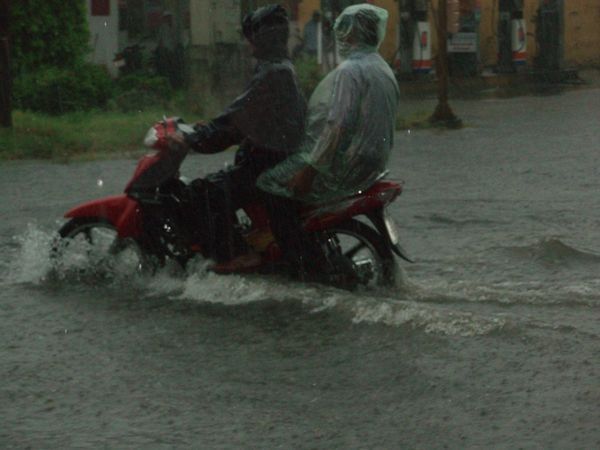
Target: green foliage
[(77, 135), (53, 90), (47, 33), (144, 82), (309, 74), (141, 91)]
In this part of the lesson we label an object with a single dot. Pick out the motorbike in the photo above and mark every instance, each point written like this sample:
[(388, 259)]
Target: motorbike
[(150, 224)]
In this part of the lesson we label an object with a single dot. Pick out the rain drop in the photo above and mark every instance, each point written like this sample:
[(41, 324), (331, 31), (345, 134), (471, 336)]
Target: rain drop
[(100, 182)]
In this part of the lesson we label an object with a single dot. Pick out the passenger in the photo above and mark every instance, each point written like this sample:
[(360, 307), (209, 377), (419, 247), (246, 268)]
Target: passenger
[(349, 134)]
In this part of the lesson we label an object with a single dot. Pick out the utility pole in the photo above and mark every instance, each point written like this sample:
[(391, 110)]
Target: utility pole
[(443, 114), (5, 77)]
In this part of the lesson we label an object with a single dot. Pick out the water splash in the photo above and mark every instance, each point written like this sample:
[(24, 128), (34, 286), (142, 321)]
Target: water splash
[(30, 259), (432, 319), (401, 306), (32, 262), (202, 285)]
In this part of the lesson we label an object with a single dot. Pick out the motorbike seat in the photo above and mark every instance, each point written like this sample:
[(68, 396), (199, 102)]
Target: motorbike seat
[(377, 196)]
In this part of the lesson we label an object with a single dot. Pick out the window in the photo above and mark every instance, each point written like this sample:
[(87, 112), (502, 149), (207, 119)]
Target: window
[(100, 8)]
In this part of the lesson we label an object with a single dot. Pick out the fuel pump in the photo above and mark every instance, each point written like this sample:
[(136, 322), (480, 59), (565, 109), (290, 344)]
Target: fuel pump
[(512, 36), (463, 43), (414, 38), (549, 25)]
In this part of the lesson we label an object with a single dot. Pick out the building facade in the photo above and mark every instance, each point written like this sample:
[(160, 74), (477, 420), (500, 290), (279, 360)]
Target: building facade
[(561, 33), (103, 20), (499, 35)]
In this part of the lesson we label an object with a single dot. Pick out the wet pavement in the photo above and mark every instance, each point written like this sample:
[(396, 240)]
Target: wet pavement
[(490, 340)]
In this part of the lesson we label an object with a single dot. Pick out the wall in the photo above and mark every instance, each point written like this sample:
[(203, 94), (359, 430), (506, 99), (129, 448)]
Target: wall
[(581, 29), (219, 66), (104, 36), (582, 33), (213, 22), (388, 48), (488, 29), (390, 44)]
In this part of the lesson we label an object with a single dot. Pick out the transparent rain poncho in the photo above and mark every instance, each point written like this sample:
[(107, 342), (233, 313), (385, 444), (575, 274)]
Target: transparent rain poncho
[(351, 115)]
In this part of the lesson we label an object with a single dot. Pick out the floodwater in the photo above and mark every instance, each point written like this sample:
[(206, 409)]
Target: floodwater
[(490, 340)]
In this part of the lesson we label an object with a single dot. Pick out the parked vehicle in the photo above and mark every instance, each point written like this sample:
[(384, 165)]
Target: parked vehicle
[(130, 59)]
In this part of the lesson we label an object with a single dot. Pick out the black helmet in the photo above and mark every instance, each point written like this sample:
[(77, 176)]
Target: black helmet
[(267, 26)]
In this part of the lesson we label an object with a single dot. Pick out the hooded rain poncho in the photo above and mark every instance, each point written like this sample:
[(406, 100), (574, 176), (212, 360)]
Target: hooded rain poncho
[(351, 115)]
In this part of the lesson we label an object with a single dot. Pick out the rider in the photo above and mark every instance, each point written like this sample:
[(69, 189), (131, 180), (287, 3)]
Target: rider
[(349, 132), (266, 120)]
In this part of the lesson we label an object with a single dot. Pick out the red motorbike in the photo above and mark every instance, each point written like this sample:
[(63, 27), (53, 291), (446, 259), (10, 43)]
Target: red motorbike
[(149, 224)]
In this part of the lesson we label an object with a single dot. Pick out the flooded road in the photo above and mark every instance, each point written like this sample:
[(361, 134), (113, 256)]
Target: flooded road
[(491, 340)]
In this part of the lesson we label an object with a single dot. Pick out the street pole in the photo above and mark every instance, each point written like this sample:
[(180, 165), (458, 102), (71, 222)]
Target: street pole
[(335, 12), (5, 77), (443, 114)]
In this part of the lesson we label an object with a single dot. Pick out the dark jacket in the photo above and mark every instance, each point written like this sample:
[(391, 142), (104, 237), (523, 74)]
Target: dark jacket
[(269, 115)]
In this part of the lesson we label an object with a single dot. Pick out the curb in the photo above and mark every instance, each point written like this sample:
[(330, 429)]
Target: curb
[(499, 84)]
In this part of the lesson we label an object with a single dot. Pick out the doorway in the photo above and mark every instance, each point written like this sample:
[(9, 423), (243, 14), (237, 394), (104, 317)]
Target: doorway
[(549, 35)]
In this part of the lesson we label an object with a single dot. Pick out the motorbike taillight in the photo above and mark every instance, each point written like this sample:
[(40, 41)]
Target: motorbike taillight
[(388, 195)]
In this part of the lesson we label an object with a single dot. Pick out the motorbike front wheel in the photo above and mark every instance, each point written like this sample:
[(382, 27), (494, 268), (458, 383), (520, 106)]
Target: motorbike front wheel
[(372, 259), (92, 244)]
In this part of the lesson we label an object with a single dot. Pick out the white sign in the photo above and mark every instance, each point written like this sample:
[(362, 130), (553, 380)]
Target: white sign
[(462, 43)]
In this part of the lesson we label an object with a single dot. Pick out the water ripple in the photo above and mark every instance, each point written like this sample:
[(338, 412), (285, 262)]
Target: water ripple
[(552, 250)]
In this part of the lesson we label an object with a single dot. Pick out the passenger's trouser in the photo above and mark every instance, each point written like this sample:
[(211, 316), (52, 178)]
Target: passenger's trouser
[(226, 191), (302, 251)]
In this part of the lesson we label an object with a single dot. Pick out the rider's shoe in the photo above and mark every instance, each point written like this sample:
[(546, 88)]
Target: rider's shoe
[(249, 262)]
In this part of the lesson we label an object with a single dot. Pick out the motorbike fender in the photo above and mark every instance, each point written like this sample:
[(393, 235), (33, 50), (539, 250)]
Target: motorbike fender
[(378, 219), (120, 210)]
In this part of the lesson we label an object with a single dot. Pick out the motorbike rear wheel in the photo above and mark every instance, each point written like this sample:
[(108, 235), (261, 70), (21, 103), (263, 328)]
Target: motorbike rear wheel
[(372, 259), (93, 244)]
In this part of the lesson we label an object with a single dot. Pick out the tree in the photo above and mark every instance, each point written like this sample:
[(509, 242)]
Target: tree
[(5, 77), (47, 33), (443, 113)]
